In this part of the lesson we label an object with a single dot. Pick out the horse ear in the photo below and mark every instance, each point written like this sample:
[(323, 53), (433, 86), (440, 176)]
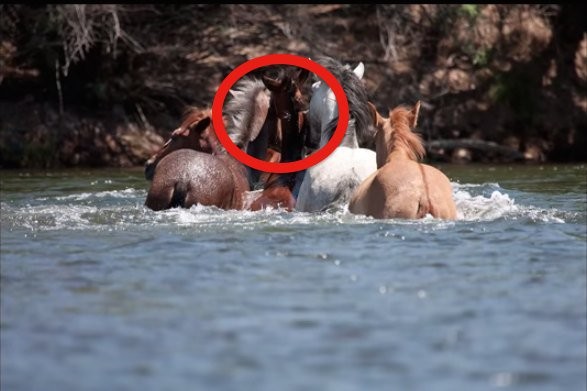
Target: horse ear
[(272, 84), (415, 113), (201, 125), (302, 75), (377, 119), (359, 70)]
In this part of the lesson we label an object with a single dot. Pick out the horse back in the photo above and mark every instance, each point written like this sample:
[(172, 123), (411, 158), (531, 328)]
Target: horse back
[(405, 189), (186, 177)]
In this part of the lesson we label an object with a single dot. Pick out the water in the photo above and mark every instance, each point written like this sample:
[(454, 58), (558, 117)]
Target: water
[(100, 293)]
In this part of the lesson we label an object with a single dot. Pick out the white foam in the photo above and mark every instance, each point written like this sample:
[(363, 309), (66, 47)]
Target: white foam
[(101, 194), (124, 209), (498, 205)]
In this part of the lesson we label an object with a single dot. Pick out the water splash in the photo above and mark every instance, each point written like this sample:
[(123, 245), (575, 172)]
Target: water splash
[(488, 202), (123, 209)]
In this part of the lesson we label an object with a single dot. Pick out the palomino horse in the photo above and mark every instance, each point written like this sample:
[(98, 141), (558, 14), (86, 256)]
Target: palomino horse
[(193, 168), (331, 182), (402, 187)]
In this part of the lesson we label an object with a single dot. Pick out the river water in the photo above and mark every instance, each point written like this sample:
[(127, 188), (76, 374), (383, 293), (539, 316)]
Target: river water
[(100, 293)]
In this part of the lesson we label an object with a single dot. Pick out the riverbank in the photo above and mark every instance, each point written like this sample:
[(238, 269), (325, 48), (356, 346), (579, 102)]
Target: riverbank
[(497, 83)]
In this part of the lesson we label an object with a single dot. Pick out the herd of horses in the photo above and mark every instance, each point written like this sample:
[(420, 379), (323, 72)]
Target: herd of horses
[(375, 171)]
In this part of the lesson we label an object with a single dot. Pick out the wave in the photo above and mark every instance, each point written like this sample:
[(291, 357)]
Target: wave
[(122, 209)]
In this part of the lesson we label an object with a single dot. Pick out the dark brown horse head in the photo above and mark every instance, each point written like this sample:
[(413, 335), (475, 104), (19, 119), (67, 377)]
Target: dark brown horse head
[(195, 132), (288, 104), (286, 88)]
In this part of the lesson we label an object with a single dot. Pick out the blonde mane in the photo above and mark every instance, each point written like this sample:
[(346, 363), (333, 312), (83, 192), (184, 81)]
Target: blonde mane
[(402, 120), (246, 111)]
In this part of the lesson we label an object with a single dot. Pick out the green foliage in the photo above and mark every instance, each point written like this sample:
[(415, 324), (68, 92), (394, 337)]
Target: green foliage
[(481, 57), (471, 11)]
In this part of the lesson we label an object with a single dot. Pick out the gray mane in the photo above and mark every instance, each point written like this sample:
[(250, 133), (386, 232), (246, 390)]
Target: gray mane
[(246, 111), (357, 97), (350, 136)]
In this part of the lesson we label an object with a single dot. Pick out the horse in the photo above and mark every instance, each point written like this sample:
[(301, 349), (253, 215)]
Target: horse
[(194, 168), (330, 183), (402, 187), (176, 185), (289, 105), (254, 119)]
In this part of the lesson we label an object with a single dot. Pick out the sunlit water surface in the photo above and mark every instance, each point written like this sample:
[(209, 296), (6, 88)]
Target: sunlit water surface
[(100, 293)]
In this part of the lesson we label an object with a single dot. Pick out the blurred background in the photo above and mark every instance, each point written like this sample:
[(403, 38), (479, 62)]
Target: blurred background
[(104, 85)]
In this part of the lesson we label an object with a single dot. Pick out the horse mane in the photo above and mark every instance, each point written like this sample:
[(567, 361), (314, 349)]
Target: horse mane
[(357, 97), (350, 135), (402, 136), (247, 110)]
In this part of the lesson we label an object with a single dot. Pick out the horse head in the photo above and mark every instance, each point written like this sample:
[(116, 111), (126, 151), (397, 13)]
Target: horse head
[(324, 108), (288, 107), (195, 132)]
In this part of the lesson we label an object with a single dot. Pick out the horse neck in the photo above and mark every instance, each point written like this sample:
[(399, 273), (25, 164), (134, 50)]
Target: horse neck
[(349, 140), (395, 143), (292, 143), (327, 109), (292, 138)]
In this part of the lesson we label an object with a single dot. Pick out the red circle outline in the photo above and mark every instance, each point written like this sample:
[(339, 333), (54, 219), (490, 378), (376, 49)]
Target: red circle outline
[(286, 59)]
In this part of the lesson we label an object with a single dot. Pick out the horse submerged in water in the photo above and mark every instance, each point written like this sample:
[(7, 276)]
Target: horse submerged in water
[(330, 183), (194, 168), (402, 187)]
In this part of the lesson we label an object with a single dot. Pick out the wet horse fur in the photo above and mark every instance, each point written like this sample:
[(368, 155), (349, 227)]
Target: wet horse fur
[(204, 173), (330, 183), (402, 187), (186, 175)]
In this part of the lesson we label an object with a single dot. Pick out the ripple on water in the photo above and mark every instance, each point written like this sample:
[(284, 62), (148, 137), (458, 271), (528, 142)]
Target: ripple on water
[(121, 209)]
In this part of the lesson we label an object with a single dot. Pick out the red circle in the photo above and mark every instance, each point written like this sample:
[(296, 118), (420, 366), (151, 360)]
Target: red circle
[(286, 59)]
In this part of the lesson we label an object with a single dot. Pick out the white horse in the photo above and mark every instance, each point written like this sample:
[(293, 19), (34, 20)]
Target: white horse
[(330, 183)]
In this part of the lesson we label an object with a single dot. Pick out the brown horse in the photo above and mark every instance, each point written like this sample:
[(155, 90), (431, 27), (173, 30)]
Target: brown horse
[(402, 187), (258, 112), (289, 105), (193, 168)]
